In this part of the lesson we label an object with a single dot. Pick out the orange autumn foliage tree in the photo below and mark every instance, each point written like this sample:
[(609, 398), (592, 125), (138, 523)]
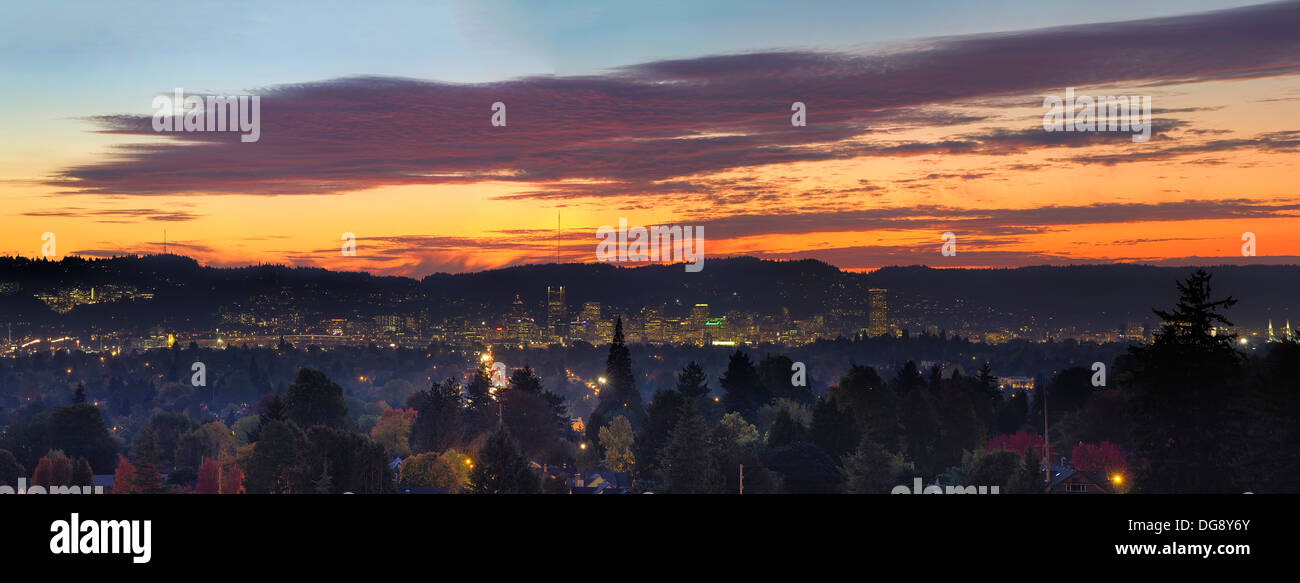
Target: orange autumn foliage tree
[(234, 481), (43, 475), (124, 476), (55, 469), (209, 477), (394, 431)]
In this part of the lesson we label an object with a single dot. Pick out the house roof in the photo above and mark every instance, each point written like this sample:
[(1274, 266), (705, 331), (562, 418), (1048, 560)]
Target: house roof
[(620, 479), (601, 488), (1061, 475)]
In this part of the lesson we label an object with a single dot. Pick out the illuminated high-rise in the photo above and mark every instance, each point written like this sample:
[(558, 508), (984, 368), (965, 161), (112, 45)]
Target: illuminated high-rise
[(699, 316), (557, 321), (878, 312), (589, 318), (518, 325), (653, 323)]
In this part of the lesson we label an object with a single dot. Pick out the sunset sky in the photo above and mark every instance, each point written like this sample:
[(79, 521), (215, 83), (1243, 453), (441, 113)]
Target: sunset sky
[(923, 117)]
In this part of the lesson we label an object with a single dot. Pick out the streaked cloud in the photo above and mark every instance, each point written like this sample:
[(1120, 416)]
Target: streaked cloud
[(644, 124)]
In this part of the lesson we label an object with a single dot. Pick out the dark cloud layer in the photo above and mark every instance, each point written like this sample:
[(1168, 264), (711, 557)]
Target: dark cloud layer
[(640, 126), (996, 222), (117, 215)]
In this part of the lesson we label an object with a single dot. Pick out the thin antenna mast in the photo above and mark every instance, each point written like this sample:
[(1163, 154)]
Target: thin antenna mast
[(1047, 445)]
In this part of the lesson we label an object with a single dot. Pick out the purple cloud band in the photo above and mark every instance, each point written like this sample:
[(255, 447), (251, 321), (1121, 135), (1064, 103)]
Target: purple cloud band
[(652, 122)]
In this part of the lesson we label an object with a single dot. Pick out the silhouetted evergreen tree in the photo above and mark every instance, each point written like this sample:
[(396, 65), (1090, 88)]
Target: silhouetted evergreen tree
[(921, 431), (870, 469), (270, 408), (619, 396), (325, 483), (352, 461), (960, 430), (1271, 461), (500, 468), (776, 372), (909, 379), (1183, 385), (688, 466), (1012, 413), (783, 430), (743, 392), (874, 405), (661, 416), (438, 418), (269, 469), (535, 416), (833, 428), (79, 430), (692, 383), (313, 399)]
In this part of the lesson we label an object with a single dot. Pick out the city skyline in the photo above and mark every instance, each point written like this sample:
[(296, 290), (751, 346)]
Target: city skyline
[(522, 309)]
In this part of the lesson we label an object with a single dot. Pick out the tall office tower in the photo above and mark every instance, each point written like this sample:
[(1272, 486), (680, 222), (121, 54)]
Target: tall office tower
[(653, 319), (515, 322), (879, 312), (557, 320), (699, 317), (590, 319), (590, 312)]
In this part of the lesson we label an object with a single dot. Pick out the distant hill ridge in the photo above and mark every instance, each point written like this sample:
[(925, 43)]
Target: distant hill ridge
[(1107, 293)]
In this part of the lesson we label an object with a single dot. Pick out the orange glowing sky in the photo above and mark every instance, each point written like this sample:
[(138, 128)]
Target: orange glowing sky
[(1222, 162)]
